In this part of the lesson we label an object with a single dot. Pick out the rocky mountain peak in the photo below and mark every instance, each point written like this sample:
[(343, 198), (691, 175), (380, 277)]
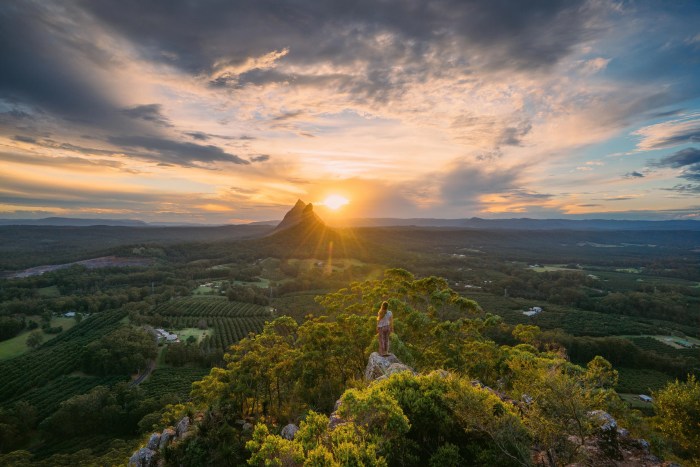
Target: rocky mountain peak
[(301, 213)]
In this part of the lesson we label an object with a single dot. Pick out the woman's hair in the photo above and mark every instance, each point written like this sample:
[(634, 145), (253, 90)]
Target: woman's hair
[(382, 310)]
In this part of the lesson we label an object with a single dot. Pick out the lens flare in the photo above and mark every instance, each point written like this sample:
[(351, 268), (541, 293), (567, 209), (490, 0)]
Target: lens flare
[(335, 202)]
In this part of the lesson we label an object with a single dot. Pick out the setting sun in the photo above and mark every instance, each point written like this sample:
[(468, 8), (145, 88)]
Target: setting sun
[(335, 202)]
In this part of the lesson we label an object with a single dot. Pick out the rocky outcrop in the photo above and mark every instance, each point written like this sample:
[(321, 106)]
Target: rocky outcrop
[(144, 457), (153, 441), (335, 419), (148, 456), (289, 431), (609, 445), (379, 367), (182, 427), (301, 213)]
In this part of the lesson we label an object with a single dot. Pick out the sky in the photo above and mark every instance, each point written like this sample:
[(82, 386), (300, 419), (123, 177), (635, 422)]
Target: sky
[(229, 111)]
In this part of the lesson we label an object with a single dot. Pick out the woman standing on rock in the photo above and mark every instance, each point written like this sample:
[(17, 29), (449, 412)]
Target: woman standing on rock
[(385, 326)]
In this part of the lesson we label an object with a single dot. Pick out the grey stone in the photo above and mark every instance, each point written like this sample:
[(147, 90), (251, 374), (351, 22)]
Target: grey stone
[(182, 426), (247, 426), (289, 431), (166, 437), (335, 419), (604, 420), (644, 444), (153, 441), (142, 458), (623, 433), (378, 366)]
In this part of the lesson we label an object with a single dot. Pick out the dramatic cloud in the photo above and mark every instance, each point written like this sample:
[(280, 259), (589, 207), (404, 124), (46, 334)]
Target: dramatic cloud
[(149, 113), (681, 158), (175, 152), (445, 108), (223, 37), (43, 53)]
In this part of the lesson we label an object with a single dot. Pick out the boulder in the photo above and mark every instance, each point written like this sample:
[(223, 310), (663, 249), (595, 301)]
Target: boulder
[(144, 457), (289, 431), (153, 441), (605, 427), (182, 427), (602, 420), (335, 419), (378, 366), (166, 437)]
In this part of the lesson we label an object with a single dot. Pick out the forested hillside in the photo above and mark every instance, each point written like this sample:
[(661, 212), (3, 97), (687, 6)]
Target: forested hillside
[(472, 401)]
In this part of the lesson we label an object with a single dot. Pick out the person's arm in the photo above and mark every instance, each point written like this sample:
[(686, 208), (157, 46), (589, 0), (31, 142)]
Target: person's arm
[(391, 322)]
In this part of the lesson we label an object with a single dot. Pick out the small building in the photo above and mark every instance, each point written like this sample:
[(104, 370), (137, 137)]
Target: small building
[(164, 335), (535, 310), (645, 398), (70, 314)]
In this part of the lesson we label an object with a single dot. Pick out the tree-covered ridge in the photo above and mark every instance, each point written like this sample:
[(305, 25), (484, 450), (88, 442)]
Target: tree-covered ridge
[(447, 414)]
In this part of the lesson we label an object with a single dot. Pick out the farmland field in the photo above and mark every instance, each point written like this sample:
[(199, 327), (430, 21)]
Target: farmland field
[(17, 345), (176, 381), (59, 356), (210, 306), (231, 321)]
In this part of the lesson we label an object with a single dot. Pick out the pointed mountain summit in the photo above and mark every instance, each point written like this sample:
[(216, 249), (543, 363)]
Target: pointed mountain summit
[(301, 214)]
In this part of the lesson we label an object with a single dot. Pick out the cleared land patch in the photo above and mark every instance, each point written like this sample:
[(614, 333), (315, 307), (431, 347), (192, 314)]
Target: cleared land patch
[(17, 345)]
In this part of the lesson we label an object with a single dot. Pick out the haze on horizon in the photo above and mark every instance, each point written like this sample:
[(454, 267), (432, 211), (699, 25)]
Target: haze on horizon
[(227, 112)]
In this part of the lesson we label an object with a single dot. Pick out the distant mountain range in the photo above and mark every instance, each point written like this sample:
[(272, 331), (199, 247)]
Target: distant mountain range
[(297, 213), (77, 222), (527, 224)]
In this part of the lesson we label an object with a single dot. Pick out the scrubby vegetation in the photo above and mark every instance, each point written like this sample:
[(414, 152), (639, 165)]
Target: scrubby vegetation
[(621, 304)]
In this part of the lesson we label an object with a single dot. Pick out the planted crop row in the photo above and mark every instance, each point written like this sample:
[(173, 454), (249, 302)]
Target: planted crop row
[(653, 345), (228, 331), (47, 398), (172, 381), (57, 357), (207, 307)]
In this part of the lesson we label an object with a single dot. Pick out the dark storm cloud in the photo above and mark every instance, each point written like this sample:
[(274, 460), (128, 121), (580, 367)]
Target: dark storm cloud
[(196, 36), (680, 158), (174, 152), (16, 114), (150, 113), (634, 174), (39, 66)]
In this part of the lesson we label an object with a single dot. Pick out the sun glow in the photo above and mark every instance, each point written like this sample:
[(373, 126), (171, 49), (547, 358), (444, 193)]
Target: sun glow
[(335, 202)]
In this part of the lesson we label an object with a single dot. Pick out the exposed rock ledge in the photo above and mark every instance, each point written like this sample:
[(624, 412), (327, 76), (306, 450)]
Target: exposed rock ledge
[(149, 456), (380, 367)]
